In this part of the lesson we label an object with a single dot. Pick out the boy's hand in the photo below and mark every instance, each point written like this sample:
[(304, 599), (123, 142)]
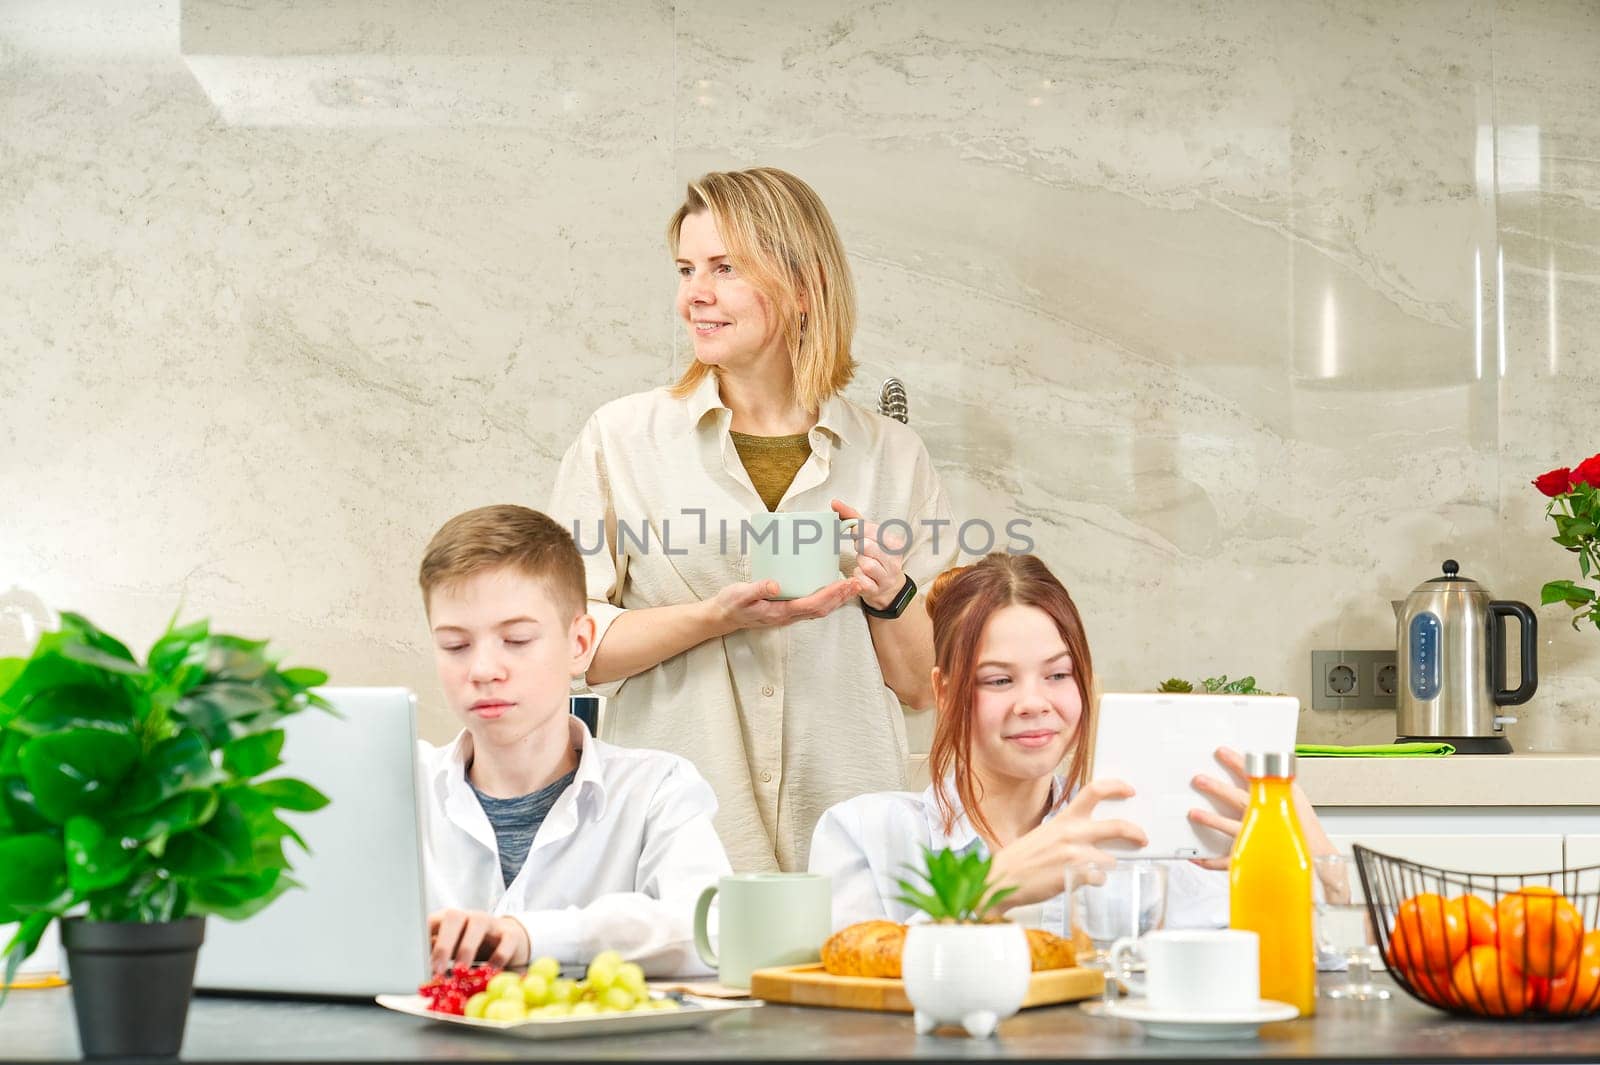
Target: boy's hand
[(459, 937)]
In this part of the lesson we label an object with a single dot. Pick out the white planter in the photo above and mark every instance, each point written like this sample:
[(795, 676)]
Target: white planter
[(974, 975)]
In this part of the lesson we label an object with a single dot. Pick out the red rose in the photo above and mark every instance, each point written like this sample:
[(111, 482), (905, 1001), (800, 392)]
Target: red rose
[(1587, 472), (1554, 483)]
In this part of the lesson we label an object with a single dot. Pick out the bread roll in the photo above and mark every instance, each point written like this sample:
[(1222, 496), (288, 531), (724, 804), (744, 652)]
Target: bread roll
[(870, 948), (873, 948)]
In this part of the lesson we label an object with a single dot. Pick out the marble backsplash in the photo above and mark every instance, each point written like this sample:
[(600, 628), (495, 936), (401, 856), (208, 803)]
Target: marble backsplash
[(1255, 310)]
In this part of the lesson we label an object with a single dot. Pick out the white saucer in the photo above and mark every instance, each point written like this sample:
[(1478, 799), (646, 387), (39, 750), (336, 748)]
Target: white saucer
[(1175, 1024)]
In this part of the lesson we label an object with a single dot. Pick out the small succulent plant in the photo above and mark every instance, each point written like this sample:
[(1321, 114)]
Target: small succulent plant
[(958, 888), (1215, 686)]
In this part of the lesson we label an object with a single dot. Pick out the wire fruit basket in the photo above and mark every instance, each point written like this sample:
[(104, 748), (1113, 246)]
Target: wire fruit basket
[(1523, 946)]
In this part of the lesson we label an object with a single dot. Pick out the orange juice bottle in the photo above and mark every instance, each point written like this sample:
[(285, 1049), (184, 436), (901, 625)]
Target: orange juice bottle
[(1269, 883)]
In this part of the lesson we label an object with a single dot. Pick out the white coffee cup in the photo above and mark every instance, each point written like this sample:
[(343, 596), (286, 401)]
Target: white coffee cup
[(798, 549), (1197, 970)]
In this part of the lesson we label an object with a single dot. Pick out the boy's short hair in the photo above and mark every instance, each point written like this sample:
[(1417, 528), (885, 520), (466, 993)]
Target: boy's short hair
[(529, 542)]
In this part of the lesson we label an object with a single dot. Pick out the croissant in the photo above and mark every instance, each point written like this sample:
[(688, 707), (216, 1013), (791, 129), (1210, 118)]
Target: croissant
[(873, 948), (1050, 951)]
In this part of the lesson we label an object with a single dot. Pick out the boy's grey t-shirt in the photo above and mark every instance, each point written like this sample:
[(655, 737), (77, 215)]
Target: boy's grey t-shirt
[(516, 821)]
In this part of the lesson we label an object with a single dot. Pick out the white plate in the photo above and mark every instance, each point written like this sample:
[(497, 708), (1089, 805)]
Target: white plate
[(694, 1013), (1173, 1024)]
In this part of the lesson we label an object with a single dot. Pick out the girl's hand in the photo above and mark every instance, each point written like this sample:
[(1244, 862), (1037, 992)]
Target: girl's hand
[(1233, 796), (880, 570), (1035, 864)]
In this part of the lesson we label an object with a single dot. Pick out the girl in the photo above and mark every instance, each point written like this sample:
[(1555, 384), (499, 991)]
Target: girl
[(1013, 683)]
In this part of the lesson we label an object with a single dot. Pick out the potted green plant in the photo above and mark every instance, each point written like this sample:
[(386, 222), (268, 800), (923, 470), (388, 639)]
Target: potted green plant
[(967, 964), (129, 799)]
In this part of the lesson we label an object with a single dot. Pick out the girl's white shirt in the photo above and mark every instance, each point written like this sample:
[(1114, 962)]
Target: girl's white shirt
[(866, 843)]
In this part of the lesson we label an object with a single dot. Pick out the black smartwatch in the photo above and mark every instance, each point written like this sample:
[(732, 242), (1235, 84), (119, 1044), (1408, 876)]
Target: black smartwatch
[(907, 593)]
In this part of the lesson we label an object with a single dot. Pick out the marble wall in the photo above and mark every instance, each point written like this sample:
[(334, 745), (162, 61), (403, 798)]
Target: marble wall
[(1256, 310)]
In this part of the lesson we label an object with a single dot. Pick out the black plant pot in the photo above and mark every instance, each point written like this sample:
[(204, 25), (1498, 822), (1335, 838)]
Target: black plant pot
[(131, 984)]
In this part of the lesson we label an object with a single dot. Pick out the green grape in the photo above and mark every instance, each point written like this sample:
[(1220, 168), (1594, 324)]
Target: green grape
[(557, 1009), (535, 989), (609, 957), (476, 1003), (505, 985), (546, 967), (602, 973), (505, 1009), (617, 998), (661, 1004), (584, 1009), (631, 976), (564, 990)]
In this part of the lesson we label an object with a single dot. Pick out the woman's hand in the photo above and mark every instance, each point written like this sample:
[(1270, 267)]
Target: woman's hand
[(880, 571), (458, 937), (1234, 797), (1035, 864), (750, 605)]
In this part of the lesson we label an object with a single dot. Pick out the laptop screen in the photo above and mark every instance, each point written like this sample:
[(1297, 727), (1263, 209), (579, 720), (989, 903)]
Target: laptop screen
[(358, 927)]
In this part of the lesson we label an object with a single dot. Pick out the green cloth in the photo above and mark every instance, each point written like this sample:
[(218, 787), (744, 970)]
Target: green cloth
[(1372, 750)]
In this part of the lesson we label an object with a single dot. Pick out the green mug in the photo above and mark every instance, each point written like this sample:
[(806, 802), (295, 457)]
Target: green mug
[(765, 919), (798, 549)]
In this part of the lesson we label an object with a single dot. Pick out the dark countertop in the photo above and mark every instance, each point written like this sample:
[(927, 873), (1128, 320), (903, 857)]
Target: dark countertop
[(38, 1026)]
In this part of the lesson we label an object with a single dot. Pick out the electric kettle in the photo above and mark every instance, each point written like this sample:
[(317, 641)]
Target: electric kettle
[(1451, 652)]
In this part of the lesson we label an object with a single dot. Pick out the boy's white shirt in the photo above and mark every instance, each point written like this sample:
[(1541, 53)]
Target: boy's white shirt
[(618, 863), (865, 843)]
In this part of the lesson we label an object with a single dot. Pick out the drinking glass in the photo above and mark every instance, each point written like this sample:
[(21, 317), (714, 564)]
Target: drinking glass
[(1111, 902), (1344, 928)]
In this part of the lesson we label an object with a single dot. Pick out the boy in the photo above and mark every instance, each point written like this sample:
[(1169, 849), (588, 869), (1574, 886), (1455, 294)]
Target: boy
[(539, 839)]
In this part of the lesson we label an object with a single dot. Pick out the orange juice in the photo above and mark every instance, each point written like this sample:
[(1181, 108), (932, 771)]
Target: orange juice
[(1269, 883)]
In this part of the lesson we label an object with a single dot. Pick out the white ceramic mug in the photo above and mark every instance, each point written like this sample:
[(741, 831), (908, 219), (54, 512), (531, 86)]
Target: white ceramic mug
[(799, 550), (1203, 970), (764, 919)]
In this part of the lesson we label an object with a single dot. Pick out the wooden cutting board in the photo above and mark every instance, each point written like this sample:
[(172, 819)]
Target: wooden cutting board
[(809, 985)]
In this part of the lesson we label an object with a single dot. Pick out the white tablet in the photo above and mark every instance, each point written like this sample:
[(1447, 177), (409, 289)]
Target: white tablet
[(1159, 742)]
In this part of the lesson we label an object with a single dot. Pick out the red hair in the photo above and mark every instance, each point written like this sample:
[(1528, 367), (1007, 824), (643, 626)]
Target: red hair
[(961, 602)]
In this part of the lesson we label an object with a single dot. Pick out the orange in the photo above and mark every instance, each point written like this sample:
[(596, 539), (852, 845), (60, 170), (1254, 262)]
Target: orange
[(1427, 933), (1578, 989), (1539, 931), (1488, 983), (1474, 914), (1434, 985)]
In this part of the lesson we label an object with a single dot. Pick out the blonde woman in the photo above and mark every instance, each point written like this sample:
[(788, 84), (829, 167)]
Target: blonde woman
[(787, 707)]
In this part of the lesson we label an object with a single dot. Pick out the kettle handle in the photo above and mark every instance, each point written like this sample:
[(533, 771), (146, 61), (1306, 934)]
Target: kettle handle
[(1499, 610)]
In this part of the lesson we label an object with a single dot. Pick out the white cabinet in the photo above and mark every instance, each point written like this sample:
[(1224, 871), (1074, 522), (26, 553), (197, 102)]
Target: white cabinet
[(1583, 850), (1488, 853)]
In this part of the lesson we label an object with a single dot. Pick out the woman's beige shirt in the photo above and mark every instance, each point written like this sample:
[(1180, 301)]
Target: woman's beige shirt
[(784, 722)]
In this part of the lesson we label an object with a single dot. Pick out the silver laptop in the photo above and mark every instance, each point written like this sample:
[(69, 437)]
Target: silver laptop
[(359, 925)]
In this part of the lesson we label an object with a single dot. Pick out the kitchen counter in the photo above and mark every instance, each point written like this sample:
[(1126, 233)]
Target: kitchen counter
[(1457, 780), (38, 1026)]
